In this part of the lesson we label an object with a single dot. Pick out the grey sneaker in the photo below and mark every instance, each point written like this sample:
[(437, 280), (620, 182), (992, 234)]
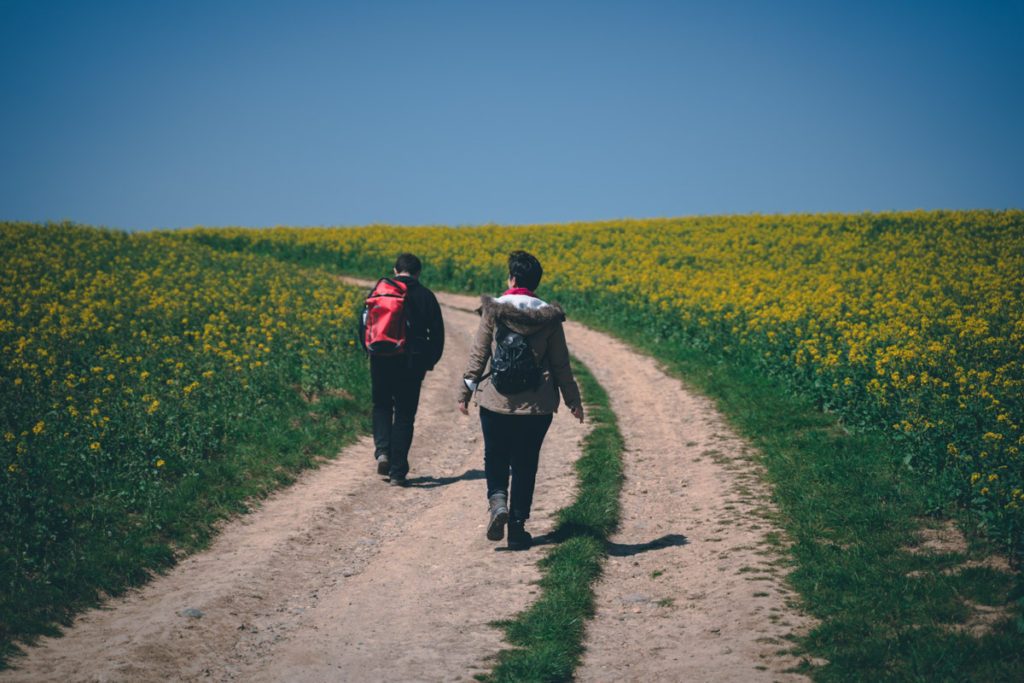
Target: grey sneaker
[(383, 464), (499, 515)]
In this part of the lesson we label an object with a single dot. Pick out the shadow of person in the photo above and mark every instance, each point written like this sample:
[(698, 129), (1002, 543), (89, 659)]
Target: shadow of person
[(613, 549), (630, 549), (431, 482), (542, 539)]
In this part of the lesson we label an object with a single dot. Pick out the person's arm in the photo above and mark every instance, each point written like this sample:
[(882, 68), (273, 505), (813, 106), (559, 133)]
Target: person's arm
[(435, 332), (560, 366), (361, 323), (478, 357)]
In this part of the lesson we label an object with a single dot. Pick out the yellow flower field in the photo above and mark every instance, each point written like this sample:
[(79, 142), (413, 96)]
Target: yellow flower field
[(101, 330), (908, 322), (146, 377), (126, 364)]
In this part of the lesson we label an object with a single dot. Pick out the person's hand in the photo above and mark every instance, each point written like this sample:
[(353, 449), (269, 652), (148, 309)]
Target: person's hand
[(577, 412), (463, 408)]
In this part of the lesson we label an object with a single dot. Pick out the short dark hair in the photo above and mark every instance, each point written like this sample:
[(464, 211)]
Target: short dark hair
[(408, 263), (525, 268)]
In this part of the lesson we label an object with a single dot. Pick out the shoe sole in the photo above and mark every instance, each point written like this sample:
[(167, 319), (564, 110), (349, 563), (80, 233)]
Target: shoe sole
[(496, 529), (383, 466)]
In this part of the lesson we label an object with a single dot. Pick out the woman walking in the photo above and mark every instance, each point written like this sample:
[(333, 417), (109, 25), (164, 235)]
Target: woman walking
[(519, 394)]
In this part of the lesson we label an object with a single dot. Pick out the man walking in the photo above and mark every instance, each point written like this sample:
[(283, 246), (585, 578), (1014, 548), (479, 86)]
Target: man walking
[(396, 378)]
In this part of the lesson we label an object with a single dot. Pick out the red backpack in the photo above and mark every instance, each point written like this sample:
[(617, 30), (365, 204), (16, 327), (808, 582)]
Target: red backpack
[(384, 322)]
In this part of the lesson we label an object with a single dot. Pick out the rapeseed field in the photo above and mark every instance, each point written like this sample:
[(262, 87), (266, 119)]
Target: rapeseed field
[(127, 365), (140, 373)]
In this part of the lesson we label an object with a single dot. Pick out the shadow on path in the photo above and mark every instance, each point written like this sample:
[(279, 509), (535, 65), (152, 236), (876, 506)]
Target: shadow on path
[(630, 549), (614, 549), (432, 482)]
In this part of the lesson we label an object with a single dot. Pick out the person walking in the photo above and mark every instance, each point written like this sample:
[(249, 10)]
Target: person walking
[(515, 419), (396, 379)]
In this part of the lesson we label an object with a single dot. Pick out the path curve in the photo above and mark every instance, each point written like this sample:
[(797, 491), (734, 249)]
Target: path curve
[(341, 577), (691, 591)]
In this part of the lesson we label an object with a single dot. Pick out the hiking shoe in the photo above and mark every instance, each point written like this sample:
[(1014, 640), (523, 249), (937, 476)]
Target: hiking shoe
[(518, 537), (397, 481), (499, 515), (383, 464)]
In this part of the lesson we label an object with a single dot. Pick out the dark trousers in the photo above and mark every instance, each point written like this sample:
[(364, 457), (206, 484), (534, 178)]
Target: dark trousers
[(396, 395), (512, 445)]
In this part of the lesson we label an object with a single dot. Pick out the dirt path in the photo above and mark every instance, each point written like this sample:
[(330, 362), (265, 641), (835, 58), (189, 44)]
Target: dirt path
[(690, 591), (343, 578)]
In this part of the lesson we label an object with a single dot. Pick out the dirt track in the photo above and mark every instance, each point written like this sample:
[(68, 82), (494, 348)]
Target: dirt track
[(344, 578)]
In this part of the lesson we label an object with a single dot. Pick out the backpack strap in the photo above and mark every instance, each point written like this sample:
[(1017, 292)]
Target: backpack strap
[(500, 331)]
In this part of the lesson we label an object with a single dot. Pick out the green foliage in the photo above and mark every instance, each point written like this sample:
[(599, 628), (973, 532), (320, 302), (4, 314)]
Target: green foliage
[(151, 386)]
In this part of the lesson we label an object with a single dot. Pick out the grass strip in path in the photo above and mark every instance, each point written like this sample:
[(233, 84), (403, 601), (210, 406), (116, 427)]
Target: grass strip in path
[(548, 637)]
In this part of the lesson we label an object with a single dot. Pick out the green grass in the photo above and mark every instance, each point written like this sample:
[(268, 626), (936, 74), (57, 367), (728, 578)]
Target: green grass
[(548, 637)]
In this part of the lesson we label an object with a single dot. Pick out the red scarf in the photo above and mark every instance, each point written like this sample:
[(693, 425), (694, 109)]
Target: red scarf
[(520, 290)]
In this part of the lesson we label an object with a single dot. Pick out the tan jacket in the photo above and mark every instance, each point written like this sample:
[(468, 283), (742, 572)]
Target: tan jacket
[(541, 324)]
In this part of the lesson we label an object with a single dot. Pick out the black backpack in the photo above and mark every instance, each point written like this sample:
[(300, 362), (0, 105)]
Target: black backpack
[(513, 367)]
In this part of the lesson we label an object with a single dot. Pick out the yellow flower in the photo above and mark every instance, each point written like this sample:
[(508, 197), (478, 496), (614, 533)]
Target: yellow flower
[(38, 429), (95, 445), (153, 407), (159, 463)]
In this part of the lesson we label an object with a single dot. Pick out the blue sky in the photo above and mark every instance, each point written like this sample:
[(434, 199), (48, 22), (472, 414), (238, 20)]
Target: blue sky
[(142, 115)]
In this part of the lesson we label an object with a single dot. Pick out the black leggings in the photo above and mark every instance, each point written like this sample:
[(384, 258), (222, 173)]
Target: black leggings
[(512, 444), (396, 396)]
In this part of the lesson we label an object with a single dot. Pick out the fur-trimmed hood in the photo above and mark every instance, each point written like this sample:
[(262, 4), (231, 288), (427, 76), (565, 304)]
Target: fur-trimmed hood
[(522, 314)]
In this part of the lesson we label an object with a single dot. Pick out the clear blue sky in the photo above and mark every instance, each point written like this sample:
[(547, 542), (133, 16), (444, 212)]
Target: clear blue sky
[(145, 114)]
